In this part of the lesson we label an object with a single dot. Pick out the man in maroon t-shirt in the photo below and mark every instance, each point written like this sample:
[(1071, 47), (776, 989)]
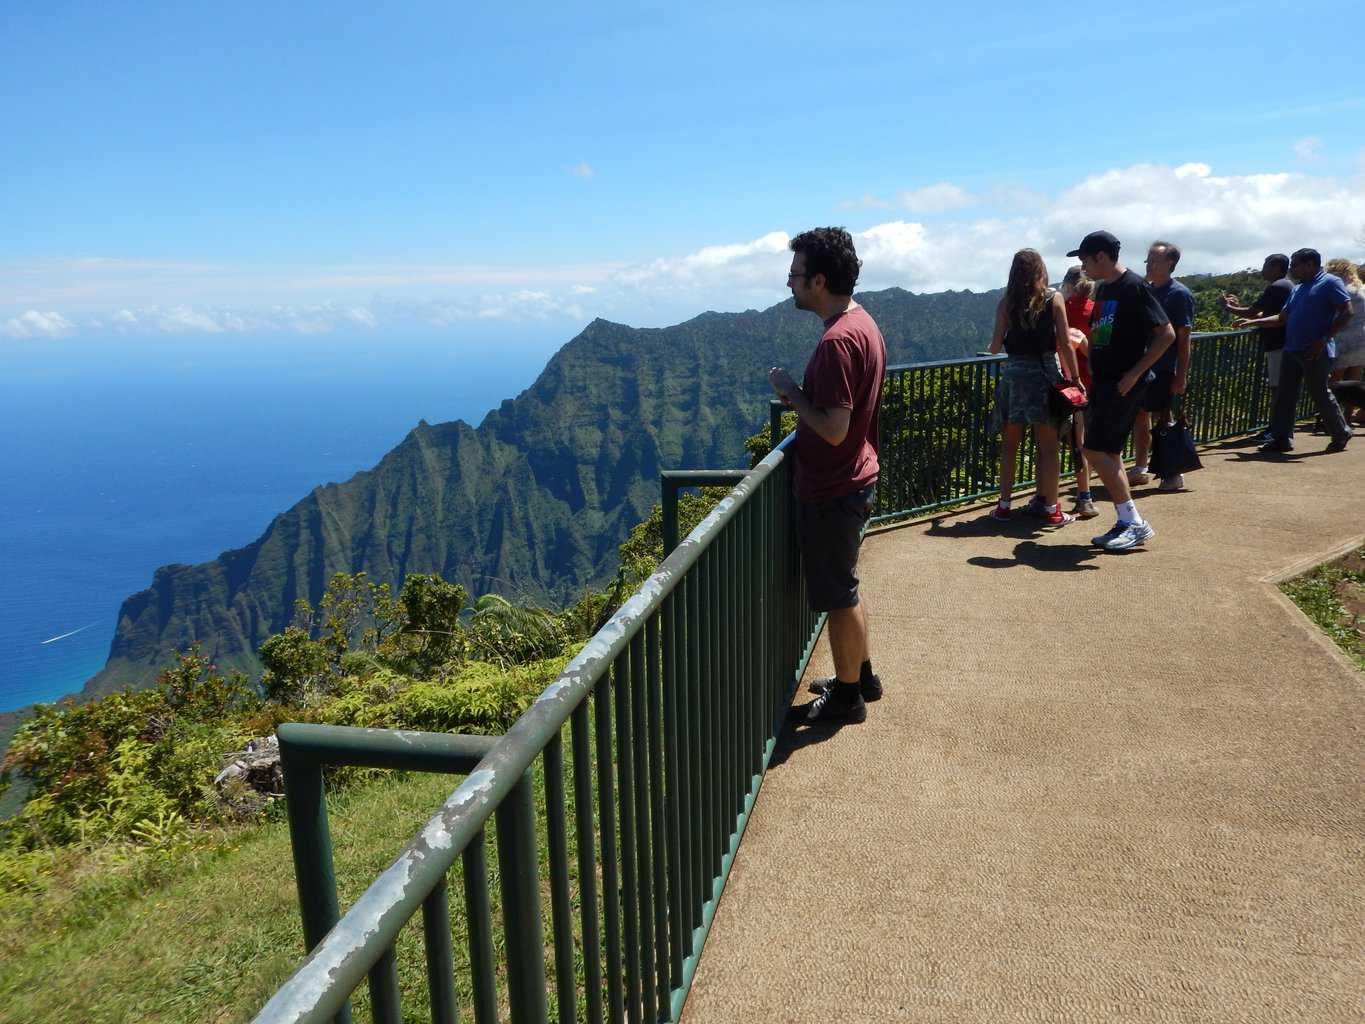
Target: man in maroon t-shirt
[(836, 461)]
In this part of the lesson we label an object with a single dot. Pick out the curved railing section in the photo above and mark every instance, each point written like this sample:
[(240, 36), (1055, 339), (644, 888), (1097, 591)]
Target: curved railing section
[(634, 771)]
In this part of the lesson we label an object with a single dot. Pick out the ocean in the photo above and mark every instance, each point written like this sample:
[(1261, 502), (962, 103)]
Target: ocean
[(121, 455)]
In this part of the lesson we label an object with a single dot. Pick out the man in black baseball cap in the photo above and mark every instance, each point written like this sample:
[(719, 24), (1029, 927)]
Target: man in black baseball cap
[(1129, 330), (1097, 242)]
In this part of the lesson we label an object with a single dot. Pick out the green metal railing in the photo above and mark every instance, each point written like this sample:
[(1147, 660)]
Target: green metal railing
[(635, 771), (937, 448), (666, 722)]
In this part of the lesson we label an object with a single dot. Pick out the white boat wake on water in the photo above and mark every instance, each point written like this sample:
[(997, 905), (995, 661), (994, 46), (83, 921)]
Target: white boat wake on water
[(63, 636)]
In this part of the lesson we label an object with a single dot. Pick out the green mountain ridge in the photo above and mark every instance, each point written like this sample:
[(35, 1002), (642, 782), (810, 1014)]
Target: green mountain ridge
[(534, 502)]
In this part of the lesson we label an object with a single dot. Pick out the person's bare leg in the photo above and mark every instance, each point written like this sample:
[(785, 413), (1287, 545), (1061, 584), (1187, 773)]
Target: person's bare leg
[(1142, 437), (1010, 438), (1082, 462), (848, 642), (1049, 463), (1109, 468)]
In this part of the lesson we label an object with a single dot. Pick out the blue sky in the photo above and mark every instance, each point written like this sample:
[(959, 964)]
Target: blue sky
[(208, 168)]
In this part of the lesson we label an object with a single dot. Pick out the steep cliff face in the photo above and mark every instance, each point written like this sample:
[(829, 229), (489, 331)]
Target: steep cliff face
[(535, 501)]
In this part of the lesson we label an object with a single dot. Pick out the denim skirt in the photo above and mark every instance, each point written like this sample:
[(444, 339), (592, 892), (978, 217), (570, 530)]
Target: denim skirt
[(1022, 394)]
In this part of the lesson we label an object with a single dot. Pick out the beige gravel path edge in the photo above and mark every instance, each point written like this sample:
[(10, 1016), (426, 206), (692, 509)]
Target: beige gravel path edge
[(1099, 788)]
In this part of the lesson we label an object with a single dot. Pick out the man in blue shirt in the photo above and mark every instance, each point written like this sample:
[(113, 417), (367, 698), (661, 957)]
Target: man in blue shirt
[(1318, 308), (1172, 369)]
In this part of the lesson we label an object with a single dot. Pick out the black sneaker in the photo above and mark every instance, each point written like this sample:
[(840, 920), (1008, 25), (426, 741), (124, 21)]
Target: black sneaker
[(871, 690), (827, 708), (1275, 447)]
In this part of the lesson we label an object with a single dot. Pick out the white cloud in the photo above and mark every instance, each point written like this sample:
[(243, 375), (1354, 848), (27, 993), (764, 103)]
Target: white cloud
[(36, 324), (185, 319), (583, 169), (938, 198), (1221, 222), (1308, 150)]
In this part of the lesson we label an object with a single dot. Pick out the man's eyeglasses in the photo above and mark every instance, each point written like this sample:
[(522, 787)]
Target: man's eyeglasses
[(802, 274)]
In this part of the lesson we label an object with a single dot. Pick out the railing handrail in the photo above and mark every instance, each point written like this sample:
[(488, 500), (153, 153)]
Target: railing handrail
[(324, 981), (935, 364)]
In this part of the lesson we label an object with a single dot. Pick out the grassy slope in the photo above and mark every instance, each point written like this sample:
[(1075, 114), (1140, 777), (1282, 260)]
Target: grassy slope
[(209, 943)]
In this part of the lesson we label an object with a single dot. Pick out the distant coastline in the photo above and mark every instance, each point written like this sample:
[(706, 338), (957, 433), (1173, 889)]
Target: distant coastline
[(115, 464)]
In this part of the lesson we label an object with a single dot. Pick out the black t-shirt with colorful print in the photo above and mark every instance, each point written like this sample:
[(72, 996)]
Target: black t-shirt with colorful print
[(1121, 324)]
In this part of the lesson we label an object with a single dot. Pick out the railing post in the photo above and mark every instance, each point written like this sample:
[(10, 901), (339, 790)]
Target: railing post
[(672, 481), (440, 956), (522, 926), (669, 487), (775, 410), (311, 840)]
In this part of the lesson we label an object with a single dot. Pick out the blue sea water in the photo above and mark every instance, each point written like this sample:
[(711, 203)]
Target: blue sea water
[(119, 456)]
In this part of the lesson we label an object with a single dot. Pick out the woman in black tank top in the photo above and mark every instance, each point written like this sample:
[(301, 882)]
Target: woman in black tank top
[(1030, 325)]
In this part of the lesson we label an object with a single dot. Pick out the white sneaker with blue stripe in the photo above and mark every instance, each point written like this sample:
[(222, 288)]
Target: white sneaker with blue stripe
[(1125, 536)]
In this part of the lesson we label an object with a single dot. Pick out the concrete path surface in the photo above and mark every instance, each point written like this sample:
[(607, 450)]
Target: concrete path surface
[(1099, 787)]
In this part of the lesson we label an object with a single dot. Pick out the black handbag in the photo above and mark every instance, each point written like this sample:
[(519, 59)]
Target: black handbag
[(1066, 399), (1173, 449)]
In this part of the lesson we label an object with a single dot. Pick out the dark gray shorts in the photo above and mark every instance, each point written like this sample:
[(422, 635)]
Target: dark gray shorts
[(829, 533), (1110, 416)]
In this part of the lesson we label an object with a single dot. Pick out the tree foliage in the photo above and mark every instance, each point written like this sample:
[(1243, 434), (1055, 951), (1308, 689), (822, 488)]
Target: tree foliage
[(129, 762)]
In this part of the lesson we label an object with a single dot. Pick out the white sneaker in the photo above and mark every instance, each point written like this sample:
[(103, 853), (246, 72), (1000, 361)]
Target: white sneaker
[(1134, 477), (1132, 535), (1173, 483)]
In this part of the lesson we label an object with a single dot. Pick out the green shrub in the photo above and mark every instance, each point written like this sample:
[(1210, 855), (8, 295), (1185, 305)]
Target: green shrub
[(476, 698), (101, 771), (505, 634)]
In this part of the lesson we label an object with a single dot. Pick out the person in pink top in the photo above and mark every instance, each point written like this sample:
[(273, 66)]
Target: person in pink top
[(1076, 292), (836, 466)]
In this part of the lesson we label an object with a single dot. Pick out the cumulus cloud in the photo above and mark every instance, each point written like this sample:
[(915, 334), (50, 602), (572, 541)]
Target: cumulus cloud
[(1221, 222), (583, 169), (34, 323)]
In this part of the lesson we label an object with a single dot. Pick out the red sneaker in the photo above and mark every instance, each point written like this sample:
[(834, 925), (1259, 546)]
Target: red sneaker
[(1000, 514), (1057, 517)]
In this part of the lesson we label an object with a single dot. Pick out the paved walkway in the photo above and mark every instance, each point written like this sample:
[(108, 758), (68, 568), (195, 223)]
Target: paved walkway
[(1099, 788)]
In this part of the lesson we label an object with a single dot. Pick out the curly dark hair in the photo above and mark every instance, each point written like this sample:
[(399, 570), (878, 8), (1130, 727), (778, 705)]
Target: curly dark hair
[(829, 251)]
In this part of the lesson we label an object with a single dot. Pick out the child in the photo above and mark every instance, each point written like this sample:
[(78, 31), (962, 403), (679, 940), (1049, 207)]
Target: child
[(1076, 291)]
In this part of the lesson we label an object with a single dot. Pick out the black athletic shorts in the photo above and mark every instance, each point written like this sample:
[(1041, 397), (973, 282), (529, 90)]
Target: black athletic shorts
[(1109, 416), (1158, 395), (829, 533)]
